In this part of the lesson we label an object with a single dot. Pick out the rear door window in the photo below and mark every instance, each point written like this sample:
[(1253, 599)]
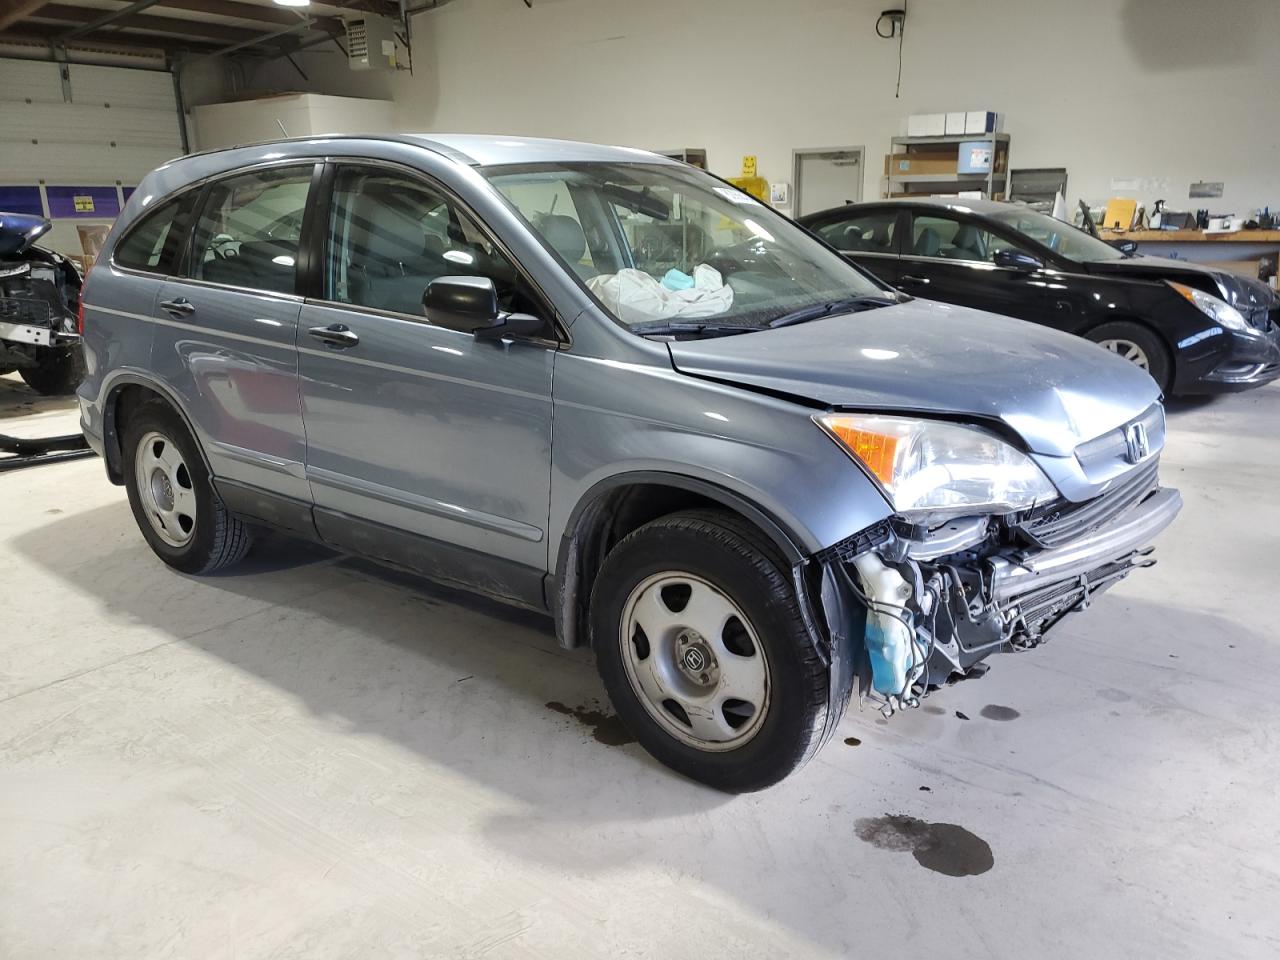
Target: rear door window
[(864, 233), (249, 230)]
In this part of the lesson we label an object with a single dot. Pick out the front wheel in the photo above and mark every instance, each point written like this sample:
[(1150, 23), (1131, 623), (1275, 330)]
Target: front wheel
[(1139, 346), (701, 647)]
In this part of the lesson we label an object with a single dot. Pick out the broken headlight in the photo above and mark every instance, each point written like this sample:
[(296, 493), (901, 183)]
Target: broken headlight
[(931, 470)]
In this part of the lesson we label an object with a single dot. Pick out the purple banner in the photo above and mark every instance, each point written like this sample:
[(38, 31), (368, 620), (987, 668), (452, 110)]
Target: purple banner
[(21, 200), (100, 203)]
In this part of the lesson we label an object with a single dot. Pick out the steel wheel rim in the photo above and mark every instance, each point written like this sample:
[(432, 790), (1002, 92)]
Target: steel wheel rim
[(1128, 350), (165, 489), (699, 670)]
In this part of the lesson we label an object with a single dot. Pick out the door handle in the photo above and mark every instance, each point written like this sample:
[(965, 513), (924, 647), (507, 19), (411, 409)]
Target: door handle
[(335, 335), (912, 278), (178, 307)]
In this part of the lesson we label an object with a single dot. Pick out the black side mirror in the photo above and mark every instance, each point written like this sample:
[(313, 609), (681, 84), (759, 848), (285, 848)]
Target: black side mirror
[(1127, 247), (1016, 260), (470, 304)]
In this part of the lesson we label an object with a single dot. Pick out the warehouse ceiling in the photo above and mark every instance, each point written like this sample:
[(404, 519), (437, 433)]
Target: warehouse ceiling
[(195, 26)]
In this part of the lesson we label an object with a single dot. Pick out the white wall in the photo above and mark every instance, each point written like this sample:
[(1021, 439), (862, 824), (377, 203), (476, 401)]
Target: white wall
[(216, 125), (1170, 90)]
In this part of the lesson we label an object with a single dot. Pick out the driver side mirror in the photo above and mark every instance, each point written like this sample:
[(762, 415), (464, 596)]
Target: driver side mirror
[(470, 304), (1016, 260), (1125, 246)]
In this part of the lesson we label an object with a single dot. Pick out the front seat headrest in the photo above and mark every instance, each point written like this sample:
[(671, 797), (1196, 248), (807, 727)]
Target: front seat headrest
[(928, 243), (968, 239), (565, 236)]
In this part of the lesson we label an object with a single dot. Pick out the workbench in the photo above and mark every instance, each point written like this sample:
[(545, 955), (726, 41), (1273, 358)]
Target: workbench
[(1240, 252)]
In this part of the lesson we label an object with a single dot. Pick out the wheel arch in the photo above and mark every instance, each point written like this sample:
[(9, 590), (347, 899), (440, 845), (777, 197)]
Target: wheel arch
[(617, 505), (125, 394)]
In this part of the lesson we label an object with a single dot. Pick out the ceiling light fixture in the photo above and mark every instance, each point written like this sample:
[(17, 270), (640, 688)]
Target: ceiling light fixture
[(293, 3)]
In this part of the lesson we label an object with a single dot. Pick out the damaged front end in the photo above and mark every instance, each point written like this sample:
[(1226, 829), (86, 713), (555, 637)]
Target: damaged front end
[(913, 606)]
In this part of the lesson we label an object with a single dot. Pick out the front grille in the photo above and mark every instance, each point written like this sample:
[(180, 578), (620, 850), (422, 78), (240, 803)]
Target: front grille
[(1075, 520), (1106, 456), (20, 310)]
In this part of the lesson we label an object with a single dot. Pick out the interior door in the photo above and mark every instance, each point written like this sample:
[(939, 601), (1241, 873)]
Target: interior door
[(951, 258), (425, 446), (826, 178), (867, 237)]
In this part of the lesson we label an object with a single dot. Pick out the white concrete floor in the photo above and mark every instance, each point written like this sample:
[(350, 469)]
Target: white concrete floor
[(310, 758)]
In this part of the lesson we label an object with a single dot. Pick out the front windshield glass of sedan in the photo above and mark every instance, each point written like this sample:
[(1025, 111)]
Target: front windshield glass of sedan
[(665, 244), (1071, 242)]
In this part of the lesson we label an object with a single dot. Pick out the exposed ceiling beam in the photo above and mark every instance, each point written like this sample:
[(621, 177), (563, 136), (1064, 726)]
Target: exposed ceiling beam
[(39, 37), (11, 11), (191, 29), (108, 18), (299, 27), (241, 11)]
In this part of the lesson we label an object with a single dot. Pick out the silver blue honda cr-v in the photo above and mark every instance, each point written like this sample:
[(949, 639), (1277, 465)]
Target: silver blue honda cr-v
[(608, 386)]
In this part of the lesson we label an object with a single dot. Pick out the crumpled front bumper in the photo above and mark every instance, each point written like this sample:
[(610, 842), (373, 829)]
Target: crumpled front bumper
[(1123, 536), (1252, 360)]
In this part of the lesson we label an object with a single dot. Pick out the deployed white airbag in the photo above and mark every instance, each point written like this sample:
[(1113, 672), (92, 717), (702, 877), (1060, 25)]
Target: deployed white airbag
[(633, 296)]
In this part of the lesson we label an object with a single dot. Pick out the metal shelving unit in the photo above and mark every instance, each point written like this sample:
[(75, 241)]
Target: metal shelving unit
[(987, 182)]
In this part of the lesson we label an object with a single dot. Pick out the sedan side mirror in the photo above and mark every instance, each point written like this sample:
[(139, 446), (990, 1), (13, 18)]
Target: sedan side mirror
[(1128, 247), (470, 304), (1016, 260)]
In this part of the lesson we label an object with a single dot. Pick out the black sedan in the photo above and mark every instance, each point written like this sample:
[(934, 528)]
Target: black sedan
[(1194, 329)]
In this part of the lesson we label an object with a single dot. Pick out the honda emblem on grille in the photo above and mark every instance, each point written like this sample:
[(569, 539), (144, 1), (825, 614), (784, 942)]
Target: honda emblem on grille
[(1136, 444)]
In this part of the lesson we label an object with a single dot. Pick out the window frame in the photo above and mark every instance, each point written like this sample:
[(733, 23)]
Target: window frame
[(859, 211), (1019, 241), (181, 266), (316, 239)]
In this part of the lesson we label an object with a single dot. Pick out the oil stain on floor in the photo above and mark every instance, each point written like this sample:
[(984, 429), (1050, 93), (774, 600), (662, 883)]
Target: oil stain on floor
[(605, 727), (941, 847), (994, 711)]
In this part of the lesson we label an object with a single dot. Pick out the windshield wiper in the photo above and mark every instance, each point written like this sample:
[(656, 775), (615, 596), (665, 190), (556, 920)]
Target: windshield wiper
[(661, 327), (818, 310)]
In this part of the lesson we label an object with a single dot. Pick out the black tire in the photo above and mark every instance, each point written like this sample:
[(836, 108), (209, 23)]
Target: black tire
[(218, 538), (58, 371), (742, 564), (1159, 363)]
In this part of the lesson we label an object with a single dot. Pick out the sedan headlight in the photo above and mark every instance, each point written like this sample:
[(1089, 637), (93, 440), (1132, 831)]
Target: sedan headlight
[(931, 469), (1215, 309)]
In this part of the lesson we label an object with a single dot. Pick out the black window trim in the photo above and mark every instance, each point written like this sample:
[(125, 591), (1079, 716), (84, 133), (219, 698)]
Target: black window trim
[(317, 243)]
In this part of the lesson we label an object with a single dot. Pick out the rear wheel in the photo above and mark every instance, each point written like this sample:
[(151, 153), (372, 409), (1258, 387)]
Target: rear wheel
[(58, 370), (1139, 346), (700, 644), (173, 500)]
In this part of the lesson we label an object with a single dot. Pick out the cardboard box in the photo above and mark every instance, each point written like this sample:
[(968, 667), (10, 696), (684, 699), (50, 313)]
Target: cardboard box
[(976, 156), (927, 125), (914, 164), (955, 123), (979, 121)]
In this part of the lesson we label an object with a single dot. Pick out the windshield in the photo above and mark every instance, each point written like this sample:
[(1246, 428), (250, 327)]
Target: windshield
[(1071, 242), (665, 244)]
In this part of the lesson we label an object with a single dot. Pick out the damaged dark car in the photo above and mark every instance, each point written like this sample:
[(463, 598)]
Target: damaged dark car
[(606, 386), (39, 302)]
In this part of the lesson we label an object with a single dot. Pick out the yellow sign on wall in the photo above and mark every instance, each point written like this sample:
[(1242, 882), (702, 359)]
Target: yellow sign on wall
[(749, 165), (83, 204)]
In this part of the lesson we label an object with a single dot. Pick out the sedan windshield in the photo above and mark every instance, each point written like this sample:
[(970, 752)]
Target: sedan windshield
[(1062, 238), (667, 249)]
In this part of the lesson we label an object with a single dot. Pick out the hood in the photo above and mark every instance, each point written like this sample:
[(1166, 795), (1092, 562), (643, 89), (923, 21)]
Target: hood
[(1253, 298), (1053, 389), (18, 231)]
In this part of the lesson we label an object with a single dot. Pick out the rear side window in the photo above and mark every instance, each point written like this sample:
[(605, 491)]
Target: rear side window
[(868, 233), (249, 230), (144, 246)]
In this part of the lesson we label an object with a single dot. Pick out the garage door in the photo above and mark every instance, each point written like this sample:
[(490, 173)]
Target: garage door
[(75, 150)]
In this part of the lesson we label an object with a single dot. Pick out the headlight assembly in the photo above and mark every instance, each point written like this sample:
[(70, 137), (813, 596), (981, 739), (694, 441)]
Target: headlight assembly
[(1215, 309), (931, 470)]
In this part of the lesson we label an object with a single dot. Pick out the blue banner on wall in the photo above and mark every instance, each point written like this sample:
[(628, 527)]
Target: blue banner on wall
[(102, 203), (21, 200)]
